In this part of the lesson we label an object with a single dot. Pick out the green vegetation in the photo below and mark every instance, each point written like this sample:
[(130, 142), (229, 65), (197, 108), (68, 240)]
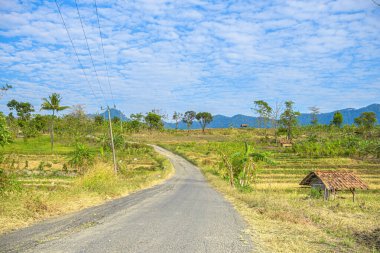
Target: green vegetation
[(288, 119), (204, 119), (337, 119), (35, 184), (285, 216), (188, 118), (53, 104), (258, 176), (37, 181)]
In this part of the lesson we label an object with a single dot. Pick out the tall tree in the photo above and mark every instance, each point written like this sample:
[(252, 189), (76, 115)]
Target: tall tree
[(53, 104), (264, 111), (188, 118), (177, 117), (23, 109), (137, 121), (288, 119), (314, 115), (337, 119), (204, 119), (367, 120), (154, 121), (275, 117)]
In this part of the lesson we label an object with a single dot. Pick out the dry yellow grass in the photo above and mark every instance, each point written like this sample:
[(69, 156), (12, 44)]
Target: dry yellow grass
[(39, 202)]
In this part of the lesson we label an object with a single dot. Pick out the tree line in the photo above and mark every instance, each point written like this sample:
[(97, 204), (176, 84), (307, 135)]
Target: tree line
[(285, 121)]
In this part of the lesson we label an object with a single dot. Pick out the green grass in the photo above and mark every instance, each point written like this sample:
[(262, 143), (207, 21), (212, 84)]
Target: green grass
[(283, 216), (39, 145), (49, 191), (283, 213)]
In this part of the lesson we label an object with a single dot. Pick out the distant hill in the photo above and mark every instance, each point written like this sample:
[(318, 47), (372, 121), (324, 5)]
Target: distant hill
[(349, 115), (221, 121), (114, 113)]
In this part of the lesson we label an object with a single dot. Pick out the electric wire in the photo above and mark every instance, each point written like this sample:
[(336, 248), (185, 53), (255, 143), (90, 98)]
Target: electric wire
[(75, 50), (77, 56), (104, 55), (88, 48)]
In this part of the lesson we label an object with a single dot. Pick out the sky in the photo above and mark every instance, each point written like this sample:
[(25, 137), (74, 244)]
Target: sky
[(215, 56)]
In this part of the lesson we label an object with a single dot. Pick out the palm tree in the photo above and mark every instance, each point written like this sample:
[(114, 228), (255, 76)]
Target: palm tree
[(52, 104)]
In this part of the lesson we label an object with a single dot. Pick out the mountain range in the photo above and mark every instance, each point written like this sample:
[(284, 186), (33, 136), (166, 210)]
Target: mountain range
[(221, 121)]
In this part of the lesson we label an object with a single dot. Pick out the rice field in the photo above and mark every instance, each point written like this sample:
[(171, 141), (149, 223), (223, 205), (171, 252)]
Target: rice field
[(40, 184), (285, 217)]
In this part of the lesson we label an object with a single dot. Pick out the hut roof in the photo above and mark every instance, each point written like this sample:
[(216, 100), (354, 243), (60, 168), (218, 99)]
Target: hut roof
[(337, 180)]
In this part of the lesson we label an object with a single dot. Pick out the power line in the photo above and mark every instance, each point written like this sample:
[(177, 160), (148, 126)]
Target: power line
[(89, 50), (104, 55), (378, 4), (74, 48)]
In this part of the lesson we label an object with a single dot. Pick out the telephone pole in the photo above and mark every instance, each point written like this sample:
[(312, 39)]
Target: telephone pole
[(112, 144)]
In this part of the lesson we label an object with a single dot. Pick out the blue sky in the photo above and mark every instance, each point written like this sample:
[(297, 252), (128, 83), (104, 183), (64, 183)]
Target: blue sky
[(215, 56)]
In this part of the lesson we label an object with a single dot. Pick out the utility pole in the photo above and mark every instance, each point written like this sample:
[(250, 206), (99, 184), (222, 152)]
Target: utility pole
[(112, 144)]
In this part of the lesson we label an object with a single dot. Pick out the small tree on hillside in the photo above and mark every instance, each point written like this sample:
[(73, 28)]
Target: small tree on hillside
[(188, 118), (204, 119), (314, 115), (53, 104), (337, 119), (366, 120), (154, 121), (177, 117), (288, 119), (137, 121), (263, 109)]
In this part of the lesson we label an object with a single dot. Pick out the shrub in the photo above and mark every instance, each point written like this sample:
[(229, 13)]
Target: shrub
[(81, 157), (7, 183), (315, 193)]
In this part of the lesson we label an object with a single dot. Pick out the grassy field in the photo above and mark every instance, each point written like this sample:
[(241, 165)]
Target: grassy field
[(41, 184), (283, 216)]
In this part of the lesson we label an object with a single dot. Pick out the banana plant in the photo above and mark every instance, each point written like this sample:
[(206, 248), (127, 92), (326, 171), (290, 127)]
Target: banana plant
[(243, 165)]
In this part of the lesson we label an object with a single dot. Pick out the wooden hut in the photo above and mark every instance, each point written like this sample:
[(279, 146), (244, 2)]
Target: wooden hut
[(332, 181)]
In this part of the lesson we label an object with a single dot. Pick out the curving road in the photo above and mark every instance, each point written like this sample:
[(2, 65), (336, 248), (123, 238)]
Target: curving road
[(184, 214)]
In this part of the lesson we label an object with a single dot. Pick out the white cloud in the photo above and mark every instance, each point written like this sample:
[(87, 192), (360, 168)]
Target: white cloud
[(178, 55)]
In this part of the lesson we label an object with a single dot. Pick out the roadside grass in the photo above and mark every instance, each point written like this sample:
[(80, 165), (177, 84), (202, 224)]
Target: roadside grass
[(283, 216), (29, 195)]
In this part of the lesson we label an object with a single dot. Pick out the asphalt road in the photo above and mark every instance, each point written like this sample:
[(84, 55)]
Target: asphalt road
[(184, 214)]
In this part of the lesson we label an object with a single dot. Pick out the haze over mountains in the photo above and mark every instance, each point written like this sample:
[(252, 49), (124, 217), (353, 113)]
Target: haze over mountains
[(221, 121)]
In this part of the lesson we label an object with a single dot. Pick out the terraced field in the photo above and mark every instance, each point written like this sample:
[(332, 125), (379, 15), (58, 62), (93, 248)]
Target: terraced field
[(285, 216), (40, 184)]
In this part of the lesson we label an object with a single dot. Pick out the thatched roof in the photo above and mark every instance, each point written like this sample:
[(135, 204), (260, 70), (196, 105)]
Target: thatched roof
[(337, 180)]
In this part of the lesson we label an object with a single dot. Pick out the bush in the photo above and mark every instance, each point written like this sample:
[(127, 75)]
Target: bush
[(315, 193), (7, 183), (81, 157)]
